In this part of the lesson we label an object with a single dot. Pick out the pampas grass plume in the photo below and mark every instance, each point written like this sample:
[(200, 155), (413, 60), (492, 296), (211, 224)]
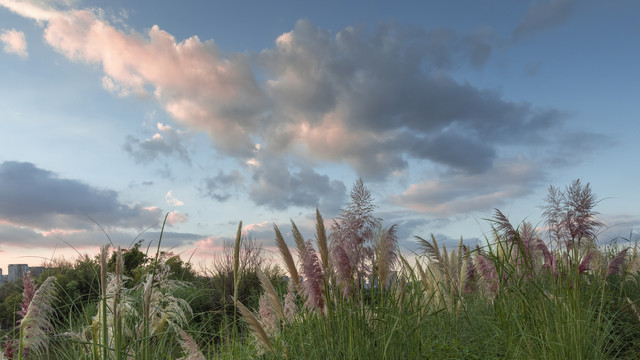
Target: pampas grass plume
[(312, 284), (253, 322), (287, 258), (616, 264), (37, 321), (272, 295)]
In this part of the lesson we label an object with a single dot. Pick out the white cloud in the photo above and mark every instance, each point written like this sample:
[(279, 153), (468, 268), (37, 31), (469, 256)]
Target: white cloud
[(37, 10), (167, 142), (172, 199), (197, 84), (14, 43)]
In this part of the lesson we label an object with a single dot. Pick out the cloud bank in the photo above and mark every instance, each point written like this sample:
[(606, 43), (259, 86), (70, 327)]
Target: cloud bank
[(376, 100)]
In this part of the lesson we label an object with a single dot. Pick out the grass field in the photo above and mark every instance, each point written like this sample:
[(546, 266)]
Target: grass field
[(350, 294)]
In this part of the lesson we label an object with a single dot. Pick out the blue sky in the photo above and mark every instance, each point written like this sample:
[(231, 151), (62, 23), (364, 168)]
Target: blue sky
[(216, 112)]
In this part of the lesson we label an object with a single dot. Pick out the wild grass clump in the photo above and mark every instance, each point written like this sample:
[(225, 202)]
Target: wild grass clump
[(349, 293)]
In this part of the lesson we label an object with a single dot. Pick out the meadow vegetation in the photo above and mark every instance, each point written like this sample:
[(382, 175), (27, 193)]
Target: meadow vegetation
[(347, 293)]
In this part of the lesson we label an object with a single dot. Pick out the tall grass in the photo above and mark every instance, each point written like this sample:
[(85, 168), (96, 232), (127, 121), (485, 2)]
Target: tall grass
[(350, 294)]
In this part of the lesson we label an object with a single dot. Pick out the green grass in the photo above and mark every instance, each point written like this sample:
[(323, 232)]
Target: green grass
[(513, 298), (578, 316)]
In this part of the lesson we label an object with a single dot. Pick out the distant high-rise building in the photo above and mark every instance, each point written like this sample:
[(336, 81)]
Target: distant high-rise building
[(17, 271), (36, 271)]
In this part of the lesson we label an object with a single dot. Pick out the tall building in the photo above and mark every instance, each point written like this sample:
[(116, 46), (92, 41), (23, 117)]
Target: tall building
[(17, 271), (36, 271)]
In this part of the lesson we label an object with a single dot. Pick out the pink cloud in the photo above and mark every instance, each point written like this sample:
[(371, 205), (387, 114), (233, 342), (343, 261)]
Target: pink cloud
[(194, 81), (39, 12), (62, 232), (257, 227), (14, 43), (209, 246), (176, 217)]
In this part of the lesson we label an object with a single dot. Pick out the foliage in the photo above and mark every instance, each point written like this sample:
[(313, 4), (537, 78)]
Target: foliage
[(351, 294)]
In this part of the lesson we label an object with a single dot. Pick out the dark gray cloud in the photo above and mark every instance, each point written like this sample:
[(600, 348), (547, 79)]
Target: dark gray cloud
[(359, 94), (458, 193), (220, 187), (623, 229), (543, 15), (277, 186), (167, 142), (455, 150), (38, 198), (480, 44), (574, 147), (30, 238)]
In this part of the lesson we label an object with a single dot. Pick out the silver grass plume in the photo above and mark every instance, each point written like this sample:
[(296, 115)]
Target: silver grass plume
[(236, 262), (162, 308), (570, 214), (313, 282), (272, 295), (29, 290), (255, 326), (343, 269), (503, 227), (37, 321), (487, 269), (386, 252), (351, 232), (616, 264), (287, 258), (189, 347), (584, 264), (472, 274), (268, 319), (433, 252), (290, 306), (297, 236), (321, 239)]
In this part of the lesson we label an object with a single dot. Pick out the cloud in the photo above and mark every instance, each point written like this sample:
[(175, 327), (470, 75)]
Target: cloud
[(543, 15), (211, 246), (170, 239), (14, 43), (39, 199), (462, 194), (342, 98), (375, 100), (172, 200), (174, 218), (167, 142), (36, 10), (278, 186), (195, 82), (219, 187)]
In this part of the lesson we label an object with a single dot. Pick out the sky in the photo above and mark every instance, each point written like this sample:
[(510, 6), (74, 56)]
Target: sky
[(113, 115)]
